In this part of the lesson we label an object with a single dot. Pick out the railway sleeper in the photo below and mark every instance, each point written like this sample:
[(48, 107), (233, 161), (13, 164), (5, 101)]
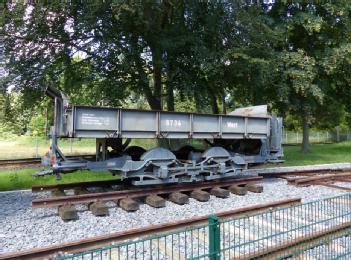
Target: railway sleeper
[(219, 192), (155, 201), (66, 212), (200, 195), (98, 208), (254, 188), (179, 198), (128, 204), (238, 190)]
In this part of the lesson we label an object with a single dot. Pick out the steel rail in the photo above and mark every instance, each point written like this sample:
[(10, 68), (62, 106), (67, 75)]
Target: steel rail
[(29, 161), (333, 186), (137, 193), (286, 248), (327, 177), (19, 161), (68, 186), (300, 172), (104, 240)]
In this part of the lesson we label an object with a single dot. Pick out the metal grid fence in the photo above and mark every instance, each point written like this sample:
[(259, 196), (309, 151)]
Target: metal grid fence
[(333, 247), (292, 137), (281, 233)]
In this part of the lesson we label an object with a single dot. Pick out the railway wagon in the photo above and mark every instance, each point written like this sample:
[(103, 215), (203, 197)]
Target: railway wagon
[(231, 142)]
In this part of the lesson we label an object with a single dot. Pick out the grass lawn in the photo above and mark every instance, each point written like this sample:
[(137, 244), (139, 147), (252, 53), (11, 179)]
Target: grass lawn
[(27, 146), (320, 153), (23, 179)]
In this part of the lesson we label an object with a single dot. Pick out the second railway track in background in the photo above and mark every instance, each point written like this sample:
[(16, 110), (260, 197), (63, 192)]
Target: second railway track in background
[(15, 163), (19, 162)]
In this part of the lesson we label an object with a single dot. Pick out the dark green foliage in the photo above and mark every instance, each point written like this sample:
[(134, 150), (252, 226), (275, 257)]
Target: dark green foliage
[(292, 55)]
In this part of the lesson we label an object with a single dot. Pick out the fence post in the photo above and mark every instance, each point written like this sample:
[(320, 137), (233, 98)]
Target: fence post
[(337, 130), (36, 148), (214, 238)]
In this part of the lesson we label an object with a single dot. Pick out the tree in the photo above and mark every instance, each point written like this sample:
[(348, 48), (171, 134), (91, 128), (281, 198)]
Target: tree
[(124, 44), (149, 48), (303, 95), (293, 56), (311, 31)]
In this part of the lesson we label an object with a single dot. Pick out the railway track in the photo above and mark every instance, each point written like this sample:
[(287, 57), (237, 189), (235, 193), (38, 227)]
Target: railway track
[(266, 231), (68, 186), (305, 217), (50, 252), (19, 162), (13, 163), (321, 177), (129, 198)]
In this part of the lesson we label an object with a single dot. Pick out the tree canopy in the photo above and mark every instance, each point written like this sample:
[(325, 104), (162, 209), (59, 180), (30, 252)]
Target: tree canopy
[(205, 56)]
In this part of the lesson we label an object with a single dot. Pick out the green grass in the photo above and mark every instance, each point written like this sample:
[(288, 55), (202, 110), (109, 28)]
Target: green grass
[(27, 146), (323, 153), (23, 179), (319, 154)]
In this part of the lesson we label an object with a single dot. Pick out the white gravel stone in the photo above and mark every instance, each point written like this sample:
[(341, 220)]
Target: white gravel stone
[(23, 227)]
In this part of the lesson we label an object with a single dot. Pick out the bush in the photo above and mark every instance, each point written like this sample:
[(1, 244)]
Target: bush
[(6, 132), (37, 126)]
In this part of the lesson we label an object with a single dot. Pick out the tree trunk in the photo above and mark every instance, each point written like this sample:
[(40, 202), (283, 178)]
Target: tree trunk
[(305, 139), (46, 121), (157, 74), (199, 103), (170, 97), (143, 81), (157, 86), (153, 97), (224, 108), (214, 104)]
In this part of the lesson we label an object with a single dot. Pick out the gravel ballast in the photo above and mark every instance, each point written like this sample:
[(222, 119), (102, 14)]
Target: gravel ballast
[(25, 228)]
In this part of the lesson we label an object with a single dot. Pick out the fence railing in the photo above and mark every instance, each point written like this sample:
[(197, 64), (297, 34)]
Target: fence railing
[(27, 146), (276, 234), (295, 137), (329, 248)]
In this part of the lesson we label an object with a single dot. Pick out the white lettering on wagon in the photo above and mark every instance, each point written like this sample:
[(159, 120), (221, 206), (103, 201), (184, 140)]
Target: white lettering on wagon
[(232, 124), (175, 123), (92, 119)]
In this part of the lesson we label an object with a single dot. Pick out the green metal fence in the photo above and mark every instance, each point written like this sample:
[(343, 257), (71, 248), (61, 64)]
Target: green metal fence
[(280, 233), (332, 247), (293, 137)]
